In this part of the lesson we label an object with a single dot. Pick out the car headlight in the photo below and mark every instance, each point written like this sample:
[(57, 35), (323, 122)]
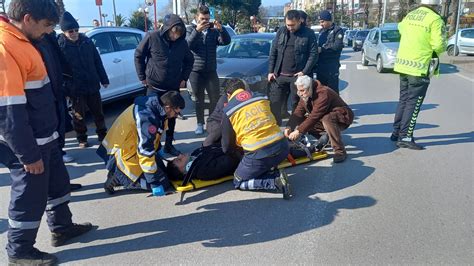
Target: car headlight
[(252, 79), (391, 52)]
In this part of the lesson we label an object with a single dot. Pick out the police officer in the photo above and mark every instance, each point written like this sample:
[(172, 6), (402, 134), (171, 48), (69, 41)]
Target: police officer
[(39, 178), (250, 124), (423, 39), (329, 49)]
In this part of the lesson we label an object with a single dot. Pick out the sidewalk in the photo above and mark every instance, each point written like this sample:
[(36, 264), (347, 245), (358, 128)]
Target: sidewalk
[(464, 62)]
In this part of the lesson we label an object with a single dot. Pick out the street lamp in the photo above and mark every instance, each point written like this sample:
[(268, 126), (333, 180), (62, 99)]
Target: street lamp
[(150, 3), (145, 12)]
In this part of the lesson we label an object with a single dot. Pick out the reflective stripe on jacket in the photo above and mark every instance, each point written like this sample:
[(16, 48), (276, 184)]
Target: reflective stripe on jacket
[(422, 34), (252, 120)]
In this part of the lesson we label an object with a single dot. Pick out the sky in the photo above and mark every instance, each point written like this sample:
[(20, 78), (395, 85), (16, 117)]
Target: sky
[(86, 10)]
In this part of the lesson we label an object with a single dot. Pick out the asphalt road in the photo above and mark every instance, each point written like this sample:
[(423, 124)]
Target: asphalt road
[(382, 206)]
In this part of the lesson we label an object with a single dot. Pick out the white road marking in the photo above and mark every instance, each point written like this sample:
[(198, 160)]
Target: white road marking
[(348, 61), (464, 77), (361, 67), (343, 67)]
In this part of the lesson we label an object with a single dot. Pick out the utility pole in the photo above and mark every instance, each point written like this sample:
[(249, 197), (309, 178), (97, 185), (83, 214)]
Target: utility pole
[(115, 13), (352, 15), (342, 11), (384, 11), (457, 29)]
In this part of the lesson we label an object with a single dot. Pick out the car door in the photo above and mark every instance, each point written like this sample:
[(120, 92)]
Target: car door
[(112, 64), (466, 41), (126, 43), (369, 45)]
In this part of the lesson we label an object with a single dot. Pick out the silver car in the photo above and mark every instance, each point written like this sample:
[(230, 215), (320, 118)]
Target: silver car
[(381, 47), (465, 42)]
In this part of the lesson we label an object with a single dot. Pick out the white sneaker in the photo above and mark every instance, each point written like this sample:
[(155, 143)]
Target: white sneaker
[(199, 130), (67, 158)]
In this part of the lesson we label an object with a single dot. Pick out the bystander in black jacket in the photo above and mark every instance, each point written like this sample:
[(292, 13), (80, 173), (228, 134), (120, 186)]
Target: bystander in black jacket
[(162, 63), (87, 68), (330, 41), (203, 46), (306, 50)]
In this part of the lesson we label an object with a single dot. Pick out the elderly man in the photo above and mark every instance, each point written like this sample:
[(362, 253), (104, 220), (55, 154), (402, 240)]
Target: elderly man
[(326, 112)]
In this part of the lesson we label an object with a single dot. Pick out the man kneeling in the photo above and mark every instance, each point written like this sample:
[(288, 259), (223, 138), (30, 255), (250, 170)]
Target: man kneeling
[(129, 149), (326, 112), (250, 124)]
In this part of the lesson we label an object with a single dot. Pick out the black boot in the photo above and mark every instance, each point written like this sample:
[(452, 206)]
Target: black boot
[(59, 239), (169, 148), (35, 257), (412, 145), (111, 183), (283, 185)]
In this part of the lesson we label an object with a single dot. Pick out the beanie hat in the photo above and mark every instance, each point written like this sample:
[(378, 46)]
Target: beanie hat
[(325, 15), (68, 22)]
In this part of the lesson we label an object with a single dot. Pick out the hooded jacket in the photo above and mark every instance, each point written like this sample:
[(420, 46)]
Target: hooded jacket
[(87, 69), (161, 62)]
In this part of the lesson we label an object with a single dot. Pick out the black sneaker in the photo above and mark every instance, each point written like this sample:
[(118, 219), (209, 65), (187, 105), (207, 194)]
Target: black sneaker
[(59, 239), (110, 184), (394, 137), (170, 149), (322, 142), (339, 157), (283, 185), (409, 145), (35, 257)]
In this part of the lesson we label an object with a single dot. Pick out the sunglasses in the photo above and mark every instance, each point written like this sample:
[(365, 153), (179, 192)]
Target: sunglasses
[(73, 30)]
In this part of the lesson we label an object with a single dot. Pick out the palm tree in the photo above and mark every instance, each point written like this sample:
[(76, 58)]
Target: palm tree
[(120, 20)]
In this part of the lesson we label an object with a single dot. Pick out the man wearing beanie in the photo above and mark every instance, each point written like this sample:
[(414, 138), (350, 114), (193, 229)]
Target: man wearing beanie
[(330, 48), (28, 125), (87, 74)]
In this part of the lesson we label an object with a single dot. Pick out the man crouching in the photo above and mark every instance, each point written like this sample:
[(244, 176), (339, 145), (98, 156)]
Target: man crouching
[(326, 113), (129, 148)]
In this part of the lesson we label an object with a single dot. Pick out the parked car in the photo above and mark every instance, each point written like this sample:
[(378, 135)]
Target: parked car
[(348, 36), (381, 47), (359, 39), (465, 42), (246, 57)]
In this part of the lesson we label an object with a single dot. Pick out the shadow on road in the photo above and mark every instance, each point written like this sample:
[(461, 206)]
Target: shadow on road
[(378, 108), (240, 222), (447, 69), (3, 225), (343, 85), (438, 140)]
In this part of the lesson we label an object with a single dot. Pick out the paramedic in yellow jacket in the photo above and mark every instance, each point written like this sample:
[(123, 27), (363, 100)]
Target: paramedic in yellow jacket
[(131, 145), (423, 39), (250, 124)]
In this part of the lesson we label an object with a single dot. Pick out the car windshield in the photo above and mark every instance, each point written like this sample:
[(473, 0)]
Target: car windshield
[(362, 33), (351, 33), (245, 48), (390, 36)]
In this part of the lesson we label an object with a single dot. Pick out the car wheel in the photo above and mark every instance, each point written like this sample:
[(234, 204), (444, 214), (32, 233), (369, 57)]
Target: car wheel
[(450, 51), (379, 66), (364, 61)]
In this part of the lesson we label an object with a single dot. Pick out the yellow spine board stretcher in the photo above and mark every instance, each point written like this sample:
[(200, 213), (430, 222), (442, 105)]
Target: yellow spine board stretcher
[(196, 184)]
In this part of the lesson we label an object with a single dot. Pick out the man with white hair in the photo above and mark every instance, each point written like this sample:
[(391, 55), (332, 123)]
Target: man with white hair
[(320, 110)]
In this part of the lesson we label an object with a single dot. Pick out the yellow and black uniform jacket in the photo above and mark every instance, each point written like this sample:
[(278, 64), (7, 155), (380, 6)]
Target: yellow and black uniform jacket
[(28, 118), (249, 122), (134, 139)]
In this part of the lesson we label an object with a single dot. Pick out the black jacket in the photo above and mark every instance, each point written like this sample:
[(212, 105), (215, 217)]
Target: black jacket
[(306, 50), (162, 63), (332, 48), (87, 69), (203, 46)]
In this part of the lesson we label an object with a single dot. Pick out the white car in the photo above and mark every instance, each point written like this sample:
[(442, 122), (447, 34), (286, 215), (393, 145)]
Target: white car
[(465, 42), (381, 47), (116, 46)]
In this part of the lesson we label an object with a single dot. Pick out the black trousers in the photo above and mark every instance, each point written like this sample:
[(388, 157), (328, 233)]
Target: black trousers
[(329, 78), (32, 195), (412, 93), (201, 81), (171, 121), (279, 94), (80, 105)]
